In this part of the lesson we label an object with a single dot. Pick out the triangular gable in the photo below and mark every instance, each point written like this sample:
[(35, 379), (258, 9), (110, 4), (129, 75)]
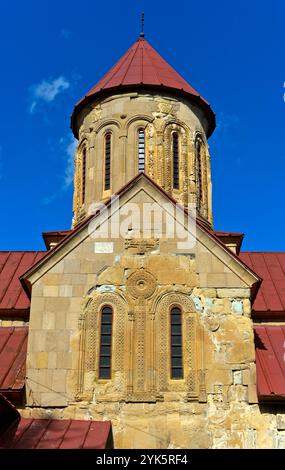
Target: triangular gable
[(143, 187)]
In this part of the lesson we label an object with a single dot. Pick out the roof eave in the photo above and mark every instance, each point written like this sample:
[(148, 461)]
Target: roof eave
[(196, 99)]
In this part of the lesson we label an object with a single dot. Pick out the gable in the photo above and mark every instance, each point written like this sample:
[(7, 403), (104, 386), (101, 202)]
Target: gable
[(143, 211)]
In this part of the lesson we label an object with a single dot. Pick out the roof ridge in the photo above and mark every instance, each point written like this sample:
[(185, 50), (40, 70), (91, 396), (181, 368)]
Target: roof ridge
[(155, 71), (132, 58), (143, 65)]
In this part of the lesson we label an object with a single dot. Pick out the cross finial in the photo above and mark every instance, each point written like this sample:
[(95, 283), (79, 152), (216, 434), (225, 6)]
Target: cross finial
[(142, 25)]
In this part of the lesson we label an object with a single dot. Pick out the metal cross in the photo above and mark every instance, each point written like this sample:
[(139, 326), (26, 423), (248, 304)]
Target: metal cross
[(142, 25)]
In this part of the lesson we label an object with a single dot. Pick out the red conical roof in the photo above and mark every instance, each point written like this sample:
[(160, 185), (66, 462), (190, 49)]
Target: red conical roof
[(142, 66)]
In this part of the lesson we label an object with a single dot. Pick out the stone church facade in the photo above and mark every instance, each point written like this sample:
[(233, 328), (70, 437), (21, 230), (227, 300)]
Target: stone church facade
[(142, 314)]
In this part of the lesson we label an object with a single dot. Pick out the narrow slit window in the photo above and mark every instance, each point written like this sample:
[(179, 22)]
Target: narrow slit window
[(83, 174), (199, 173), (107, 184), (141, 149), (106, 343), (176, 344), (175, 158)]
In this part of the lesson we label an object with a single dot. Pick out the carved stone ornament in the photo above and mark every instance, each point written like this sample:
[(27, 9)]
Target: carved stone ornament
[(141, 284), (164, 107), (212, 323), (96, 113), (141, 246)]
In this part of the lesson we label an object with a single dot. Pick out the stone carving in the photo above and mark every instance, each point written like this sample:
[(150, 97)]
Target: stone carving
[(141, 284), (141, 245), (150, 146), (212, 323), (140, 349), (96, 113), (190, 344), (89, 343), (164, 107), (163, 308)]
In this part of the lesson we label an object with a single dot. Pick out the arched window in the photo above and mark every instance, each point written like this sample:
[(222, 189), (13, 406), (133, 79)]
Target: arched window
[(83, 188), (141, 149), (176, 343), (175, 159), (199, 182), (107, 179), (105, 343)]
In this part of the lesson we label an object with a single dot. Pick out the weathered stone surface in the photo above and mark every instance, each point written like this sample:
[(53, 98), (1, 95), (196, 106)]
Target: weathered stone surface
[(234, 293), (210, 407), (281, 422)]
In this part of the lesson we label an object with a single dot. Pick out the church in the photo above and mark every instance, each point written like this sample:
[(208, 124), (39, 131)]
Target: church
[(141, 326)]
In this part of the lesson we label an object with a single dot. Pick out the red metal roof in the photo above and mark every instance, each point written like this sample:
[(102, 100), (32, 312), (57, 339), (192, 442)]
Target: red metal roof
[(13, 348), (59, 434), (270, 299), (141, 65), (270, 364), (12, 265)]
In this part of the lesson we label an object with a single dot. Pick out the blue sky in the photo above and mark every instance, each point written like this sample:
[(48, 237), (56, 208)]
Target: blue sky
[(53, 52)]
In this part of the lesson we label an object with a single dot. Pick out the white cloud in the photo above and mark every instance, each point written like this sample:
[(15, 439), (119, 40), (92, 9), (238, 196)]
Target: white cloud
[(69, 155), (46, 91)]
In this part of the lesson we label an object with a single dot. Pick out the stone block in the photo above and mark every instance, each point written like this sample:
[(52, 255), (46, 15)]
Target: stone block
[(88, 267), (247, 307), (58, 268), (59, 380), (240, 351), (216, 280), (79, 291), (79, 279), (75, 304), (221, 306), (37, 341), (112, 275), (281, 422), (48, 399), (48, 320), (51, 279), (42, 360), (252, 394), (71, 266), (64, 360), (234, 293), (237, 377), (50, 291), (59, 304), (37, 290), (44, 380), (217, 377), (237, 393), (52, 360), (60, 321), (72, 320), (212, 293), (204, 262), (65, 291), (62, 341), (237, 307)]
